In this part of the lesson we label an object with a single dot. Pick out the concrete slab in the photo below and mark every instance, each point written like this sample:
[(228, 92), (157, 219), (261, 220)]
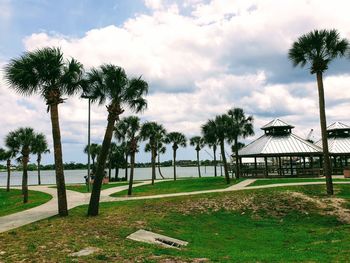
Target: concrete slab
[(154, 238)]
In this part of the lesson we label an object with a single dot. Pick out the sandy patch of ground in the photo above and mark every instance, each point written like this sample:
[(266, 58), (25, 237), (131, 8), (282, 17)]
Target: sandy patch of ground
[(277, 205)]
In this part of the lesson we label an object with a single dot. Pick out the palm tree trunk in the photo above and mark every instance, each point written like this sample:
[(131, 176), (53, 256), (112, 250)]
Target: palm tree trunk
[(159, 170), (109, 168), (116, 172), (153, 160), (237, 160), (326, 161), (174, 160), (101, 162), (214, 152), (199, 168), (222, 146), (61, 186), (126, 166), (39, 177), (8, 166), (25, 179), (93, 165), (132, 165)]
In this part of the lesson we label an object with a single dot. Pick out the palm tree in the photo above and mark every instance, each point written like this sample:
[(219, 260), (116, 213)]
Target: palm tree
[(131, 128), (177, 139), (153, 132), (120, 135), (21, 140), (198, 142), (317, 49), (241, 127), (44, 71), (94, 152), (40, 147), (112, 150), (7, 155), (210, 138), (161, 149), (110, 83), (221, 128), (117, 159)]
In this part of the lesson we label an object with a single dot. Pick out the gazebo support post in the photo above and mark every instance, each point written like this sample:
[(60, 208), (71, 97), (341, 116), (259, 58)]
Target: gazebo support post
[(280, 166), (291, 165), (266, 168), (304, 165), (255, 167)]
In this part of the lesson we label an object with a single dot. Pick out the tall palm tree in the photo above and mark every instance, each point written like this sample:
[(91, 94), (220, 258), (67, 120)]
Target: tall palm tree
[(153, 132), (161, 149), (211, 139), (94, 152), (178, 139), (110, 84), (112, 150), (317, 49), (44, 71), (117, 159), (7, 155), (131, 128), (221, 128), (120, 135), (40, 147), (21, 140), (198, 143), (241, 127)]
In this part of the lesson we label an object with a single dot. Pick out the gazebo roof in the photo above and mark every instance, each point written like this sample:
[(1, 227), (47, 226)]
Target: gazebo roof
[(337, 145), (276, 123), (338, 138), (286, 144), (338, 126)]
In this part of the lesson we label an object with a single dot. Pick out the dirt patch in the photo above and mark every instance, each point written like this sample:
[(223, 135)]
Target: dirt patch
[(329, 206), (276, 204)]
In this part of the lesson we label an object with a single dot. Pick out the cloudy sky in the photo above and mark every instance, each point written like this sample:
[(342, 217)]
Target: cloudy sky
[(200, 58)]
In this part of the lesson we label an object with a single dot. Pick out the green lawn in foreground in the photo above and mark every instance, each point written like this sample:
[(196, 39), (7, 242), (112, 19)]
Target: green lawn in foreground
[(83, 189), (12, 202), (292, 180), (265, 225), (180, 185)]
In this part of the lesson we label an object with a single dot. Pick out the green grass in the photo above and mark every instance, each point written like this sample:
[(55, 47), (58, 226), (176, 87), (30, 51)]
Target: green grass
[(265, 225), (83, 189), (12, 202), (292, 180), (178, 186)]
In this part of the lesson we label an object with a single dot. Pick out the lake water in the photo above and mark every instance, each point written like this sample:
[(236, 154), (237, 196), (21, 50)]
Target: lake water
[(77, 176)]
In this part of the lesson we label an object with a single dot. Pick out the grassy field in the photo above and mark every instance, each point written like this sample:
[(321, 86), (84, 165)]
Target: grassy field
[(292, 180), (267, 225), (183, 185), (83, 189), (12, 202)]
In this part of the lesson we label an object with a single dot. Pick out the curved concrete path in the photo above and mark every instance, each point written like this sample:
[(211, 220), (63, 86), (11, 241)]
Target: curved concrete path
[(75, 199)]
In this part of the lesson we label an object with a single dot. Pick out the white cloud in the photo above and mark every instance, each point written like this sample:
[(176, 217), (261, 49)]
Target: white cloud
[(154, 4), (199, 64)]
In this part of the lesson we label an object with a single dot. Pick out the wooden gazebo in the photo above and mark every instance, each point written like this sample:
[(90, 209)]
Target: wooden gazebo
[(284, 153)]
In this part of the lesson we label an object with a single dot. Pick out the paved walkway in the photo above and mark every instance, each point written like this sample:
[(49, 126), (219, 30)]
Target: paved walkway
[(75, 199)]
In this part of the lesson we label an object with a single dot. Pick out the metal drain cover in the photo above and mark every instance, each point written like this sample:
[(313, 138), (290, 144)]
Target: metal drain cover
[(154, 238)]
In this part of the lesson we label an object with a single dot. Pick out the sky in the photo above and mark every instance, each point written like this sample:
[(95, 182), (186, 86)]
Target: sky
[(199, 57)]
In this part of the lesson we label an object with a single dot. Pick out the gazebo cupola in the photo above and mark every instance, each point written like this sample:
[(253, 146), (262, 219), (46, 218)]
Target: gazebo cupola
[(277, 127), (338, 130)]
